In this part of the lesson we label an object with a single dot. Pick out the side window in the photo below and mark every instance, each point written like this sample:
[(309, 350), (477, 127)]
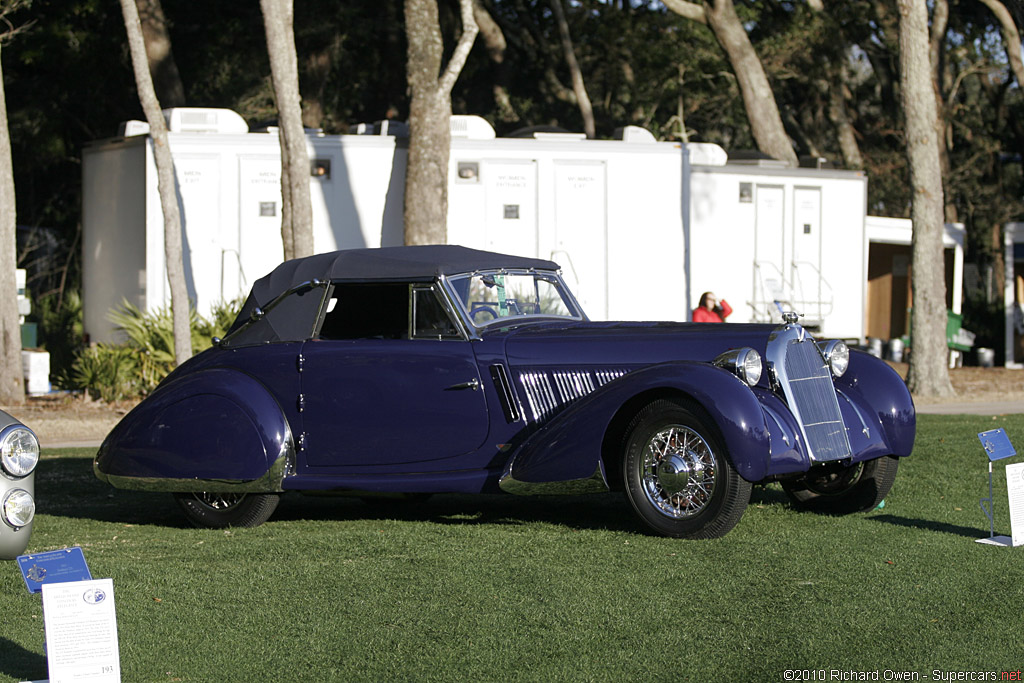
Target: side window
[(367, 311), (430, 319)]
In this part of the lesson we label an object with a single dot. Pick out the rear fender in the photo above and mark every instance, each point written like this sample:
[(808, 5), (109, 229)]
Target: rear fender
[(214, 430), (569, 446)]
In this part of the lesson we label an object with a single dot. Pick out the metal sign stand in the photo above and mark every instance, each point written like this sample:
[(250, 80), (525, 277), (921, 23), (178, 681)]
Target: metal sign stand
[(997, 446)]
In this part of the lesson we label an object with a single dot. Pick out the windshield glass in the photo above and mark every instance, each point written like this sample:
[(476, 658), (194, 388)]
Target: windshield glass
[(490, 296)]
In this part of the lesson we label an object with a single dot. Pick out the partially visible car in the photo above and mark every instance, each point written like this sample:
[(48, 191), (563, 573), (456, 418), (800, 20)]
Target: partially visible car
[(19, 455)]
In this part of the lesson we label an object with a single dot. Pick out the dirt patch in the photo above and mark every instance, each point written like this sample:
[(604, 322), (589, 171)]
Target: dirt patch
[(62, 418), (977, 385)]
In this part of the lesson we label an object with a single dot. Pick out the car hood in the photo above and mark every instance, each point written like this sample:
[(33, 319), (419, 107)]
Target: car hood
[(626, 343)]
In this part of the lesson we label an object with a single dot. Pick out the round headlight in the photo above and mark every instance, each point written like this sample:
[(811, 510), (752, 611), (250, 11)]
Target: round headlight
[(19, 451), (837, 355), (745, 363), (19, 508)]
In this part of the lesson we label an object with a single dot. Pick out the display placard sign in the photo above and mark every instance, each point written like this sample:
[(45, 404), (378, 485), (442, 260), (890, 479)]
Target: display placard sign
[(1015, 490), (56, 566), (81, 632), (996, 444)]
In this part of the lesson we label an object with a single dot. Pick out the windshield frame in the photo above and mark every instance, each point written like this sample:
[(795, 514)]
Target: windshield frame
[(553, 277)]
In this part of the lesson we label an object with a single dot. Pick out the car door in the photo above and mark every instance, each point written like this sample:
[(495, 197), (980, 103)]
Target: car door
[(404, 391)]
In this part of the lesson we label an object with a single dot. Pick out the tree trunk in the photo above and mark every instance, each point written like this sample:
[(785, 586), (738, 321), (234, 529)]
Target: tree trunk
[(166, 80), (936, 39), (430, 110), (296, 205), (494, 41), (929, 373), (12, 387), (578, 87), (839, 116), (180, 304), (758, 100)]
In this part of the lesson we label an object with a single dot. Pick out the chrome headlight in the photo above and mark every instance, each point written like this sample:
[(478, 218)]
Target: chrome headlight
[(19, 508), (19, 450), (745, 363), (837, 355)]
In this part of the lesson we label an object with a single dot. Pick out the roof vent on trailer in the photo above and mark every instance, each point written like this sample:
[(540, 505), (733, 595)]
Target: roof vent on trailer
[(191, 120), (195, 120), (471, 128), (633, 134)]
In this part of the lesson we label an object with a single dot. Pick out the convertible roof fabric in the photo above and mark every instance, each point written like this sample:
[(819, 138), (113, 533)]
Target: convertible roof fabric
[(417, 263)]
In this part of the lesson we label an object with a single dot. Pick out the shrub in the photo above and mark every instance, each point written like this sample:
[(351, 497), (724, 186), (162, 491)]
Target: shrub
[(112, 372)]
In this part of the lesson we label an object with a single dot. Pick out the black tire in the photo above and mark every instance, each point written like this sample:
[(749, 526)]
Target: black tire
[(690, 489), (219, 510), (838, 490)]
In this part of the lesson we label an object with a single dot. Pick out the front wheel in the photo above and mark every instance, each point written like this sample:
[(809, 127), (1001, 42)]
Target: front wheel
[(219, 510), (838, 490), (678, 478)]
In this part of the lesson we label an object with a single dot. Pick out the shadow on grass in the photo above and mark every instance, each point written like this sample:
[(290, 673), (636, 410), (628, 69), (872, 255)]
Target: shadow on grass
[(19, 663), (67, 487), (929, 525), (606, 512)]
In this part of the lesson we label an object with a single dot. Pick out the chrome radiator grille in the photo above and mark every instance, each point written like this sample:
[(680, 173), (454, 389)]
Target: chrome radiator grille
[(548, 391), (807, 383)]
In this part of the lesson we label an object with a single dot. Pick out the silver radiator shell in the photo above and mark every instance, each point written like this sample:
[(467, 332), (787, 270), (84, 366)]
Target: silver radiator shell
[(801, 372)]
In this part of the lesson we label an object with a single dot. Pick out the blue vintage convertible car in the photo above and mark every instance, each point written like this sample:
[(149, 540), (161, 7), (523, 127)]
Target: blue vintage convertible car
[(418, 370)]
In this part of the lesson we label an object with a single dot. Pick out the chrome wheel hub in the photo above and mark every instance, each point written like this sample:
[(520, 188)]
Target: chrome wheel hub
[(679, 471)]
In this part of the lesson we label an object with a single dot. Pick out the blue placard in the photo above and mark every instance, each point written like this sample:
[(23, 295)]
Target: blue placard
[(56, 566), (996, 444)]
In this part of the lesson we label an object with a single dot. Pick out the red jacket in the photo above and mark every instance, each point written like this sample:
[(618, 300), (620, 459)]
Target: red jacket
[(703, 315)]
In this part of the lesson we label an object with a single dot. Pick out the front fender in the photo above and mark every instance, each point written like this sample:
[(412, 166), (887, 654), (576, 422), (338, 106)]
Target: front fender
[(878, 408), (569, 446), (213, 430)]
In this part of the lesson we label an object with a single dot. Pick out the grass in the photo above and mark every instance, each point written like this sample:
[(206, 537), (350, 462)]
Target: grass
[(530, 589)]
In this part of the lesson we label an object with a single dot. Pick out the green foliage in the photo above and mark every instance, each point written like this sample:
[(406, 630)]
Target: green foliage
[(505, 588), (60, 332), (109, 372), (113, 372)]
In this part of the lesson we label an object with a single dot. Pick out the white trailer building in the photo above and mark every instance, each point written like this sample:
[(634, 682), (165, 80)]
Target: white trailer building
[(640, 227)]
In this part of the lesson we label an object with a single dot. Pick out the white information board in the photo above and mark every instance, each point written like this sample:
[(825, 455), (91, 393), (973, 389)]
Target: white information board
[(1015, 491), (81, 632)]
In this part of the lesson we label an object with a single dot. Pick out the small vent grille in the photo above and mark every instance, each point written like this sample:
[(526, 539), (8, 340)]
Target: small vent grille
[(814, 396), (539, 395), (548, 391)]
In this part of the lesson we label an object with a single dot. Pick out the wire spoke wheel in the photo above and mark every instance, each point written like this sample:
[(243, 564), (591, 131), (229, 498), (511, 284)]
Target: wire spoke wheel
[(219, 501), (839, 490), (216, 510), (677, 473)]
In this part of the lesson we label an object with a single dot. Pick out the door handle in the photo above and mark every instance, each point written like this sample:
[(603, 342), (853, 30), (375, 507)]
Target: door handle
[(473, 384)]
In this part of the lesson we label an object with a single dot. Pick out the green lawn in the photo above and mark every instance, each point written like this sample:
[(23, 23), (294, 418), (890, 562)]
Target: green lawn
[(535, 589)]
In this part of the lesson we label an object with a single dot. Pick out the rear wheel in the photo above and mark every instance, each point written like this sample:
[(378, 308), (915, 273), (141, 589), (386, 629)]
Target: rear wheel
[(840, 490), (677, 475), (219, 510)]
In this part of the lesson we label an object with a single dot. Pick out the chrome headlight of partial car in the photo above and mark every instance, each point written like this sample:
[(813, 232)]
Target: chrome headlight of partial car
[(745, 363), (18, 508), (837, 355), (19, 451)]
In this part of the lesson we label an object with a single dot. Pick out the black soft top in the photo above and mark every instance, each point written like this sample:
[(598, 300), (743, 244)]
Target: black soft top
[(410, 264)]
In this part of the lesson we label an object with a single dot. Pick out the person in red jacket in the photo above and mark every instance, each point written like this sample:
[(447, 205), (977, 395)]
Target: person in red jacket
[(711, 310)]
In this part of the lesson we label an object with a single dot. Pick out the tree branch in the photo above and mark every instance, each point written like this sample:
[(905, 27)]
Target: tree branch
[(1011, 36), (690, 10), (461, 53)]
